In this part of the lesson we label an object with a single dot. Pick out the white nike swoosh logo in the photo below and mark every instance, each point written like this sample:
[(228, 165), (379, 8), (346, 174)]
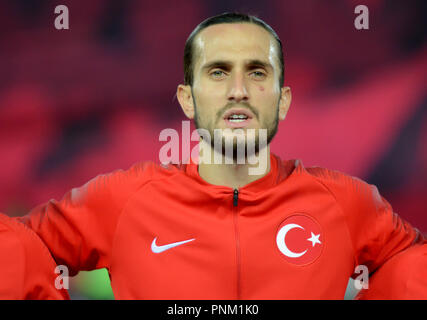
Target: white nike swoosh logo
[(157, 249)]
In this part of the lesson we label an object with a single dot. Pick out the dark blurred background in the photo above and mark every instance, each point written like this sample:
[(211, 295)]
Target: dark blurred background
[(76, 103)]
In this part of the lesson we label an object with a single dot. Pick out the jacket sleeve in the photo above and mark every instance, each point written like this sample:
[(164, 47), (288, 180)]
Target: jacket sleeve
[(27, 268), (376, 231), (79, 230), (402, 277), (12, 260)]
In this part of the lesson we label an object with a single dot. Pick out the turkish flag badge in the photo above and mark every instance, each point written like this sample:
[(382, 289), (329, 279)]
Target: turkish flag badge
[(300, 239)]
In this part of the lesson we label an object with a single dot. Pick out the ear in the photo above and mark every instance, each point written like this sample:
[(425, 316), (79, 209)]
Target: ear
[(285, 102), (185, 99)]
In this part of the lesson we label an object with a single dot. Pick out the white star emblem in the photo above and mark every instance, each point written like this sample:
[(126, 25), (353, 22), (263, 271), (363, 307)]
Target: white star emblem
[(314, 239)]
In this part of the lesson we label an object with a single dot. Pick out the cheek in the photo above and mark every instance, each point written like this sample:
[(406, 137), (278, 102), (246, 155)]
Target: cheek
[(210, 100), (261, 88), (205, 110)]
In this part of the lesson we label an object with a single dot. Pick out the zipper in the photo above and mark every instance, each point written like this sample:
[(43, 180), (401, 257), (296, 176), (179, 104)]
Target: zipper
[(236, 232), (235, 197)]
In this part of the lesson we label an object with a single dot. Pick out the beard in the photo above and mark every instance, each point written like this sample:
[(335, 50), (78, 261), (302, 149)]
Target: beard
[(246, 147)]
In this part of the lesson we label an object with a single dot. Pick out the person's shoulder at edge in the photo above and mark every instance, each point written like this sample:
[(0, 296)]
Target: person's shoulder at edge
[(402, 277), (27, 269)]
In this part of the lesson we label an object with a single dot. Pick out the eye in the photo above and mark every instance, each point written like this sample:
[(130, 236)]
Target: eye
[(258, 74), (217, 73)]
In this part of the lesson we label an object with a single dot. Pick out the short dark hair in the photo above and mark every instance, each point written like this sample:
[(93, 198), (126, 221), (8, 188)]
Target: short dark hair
[(228, 17)]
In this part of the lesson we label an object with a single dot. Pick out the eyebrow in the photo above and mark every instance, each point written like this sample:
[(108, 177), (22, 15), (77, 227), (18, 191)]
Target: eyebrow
[(228, 64)]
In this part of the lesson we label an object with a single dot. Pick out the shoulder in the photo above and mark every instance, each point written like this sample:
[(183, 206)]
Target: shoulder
[(10, 238), (23, 239), (121, 183), (353, 194), (13, 259), (14, 231), (147, 171), (407, 264), (141, 172), (403, 276), (343, 184), (335, 178), (27, 269)]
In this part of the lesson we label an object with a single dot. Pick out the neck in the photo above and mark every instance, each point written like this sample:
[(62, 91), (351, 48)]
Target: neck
[(215, 168)]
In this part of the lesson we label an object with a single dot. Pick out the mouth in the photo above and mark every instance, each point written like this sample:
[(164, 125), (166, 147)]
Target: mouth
[(238, 118)]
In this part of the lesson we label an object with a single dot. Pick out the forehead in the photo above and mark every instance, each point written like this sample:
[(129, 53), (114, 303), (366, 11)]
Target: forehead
[(235, 42)]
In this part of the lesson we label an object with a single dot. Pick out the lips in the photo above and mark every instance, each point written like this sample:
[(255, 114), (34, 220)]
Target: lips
[(235, 111), (238, 118)]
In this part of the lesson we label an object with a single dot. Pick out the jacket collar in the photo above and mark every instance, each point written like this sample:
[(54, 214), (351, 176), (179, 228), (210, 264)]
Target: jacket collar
[(279, 171)]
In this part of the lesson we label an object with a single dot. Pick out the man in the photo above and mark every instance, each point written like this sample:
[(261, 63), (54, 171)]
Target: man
[(27, 271), (223, 231)]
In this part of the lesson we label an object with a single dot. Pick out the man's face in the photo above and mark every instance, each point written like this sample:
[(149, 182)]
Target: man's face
[(236, 74)]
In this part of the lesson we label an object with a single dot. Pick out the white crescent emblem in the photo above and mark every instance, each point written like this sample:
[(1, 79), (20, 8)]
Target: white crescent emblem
[(281, 244)]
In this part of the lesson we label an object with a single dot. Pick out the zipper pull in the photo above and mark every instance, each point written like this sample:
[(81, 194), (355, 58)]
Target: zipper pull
[(235, 197)]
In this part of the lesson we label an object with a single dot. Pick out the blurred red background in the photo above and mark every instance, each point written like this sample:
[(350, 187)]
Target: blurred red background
[(76, 103)]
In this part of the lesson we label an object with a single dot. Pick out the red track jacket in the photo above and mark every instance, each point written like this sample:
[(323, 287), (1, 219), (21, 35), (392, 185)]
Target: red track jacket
[(27, 270), (164, 233), (403, 277)]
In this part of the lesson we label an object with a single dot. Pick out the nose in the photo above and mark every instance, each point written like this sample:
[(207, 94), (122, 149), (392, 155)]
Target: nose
[(238, 91)]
